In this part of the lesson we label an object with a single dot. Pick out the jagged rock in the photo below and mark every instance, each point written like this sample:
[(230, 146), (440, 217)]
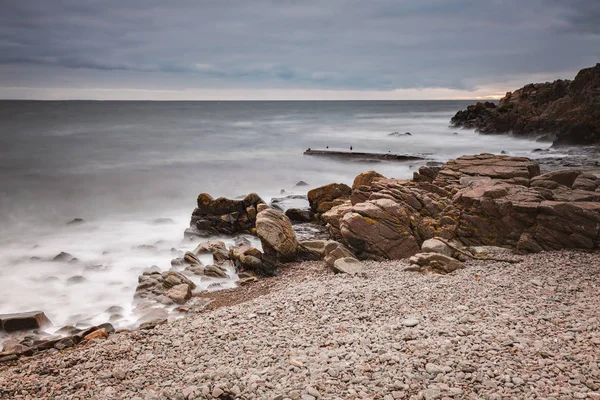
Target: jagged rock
[(426, 173), (335, 251), (379, 229), (434, 262), (215, 247), (76, 221), (348, 265), (180, 293), (333, 217), (23, 321), (191, 259), (154, 285), (321, 199), (276, 235), (568, 110), (224, 216), (247, 258), (362, 185), (215, 271)]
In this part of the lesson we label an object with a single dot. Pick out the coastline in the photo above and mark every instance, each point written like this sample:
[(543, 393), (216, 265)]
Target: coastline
[(492, 329)]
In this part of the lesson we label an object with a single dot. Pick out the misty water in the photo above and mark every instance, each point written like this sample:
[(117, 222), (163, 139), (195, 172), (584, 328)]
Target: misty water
[(120, 166)]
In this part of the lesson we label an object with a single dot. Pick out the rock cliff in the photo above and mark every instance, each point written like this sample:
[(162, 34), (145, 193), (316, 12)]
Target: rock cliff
[(566, 111)]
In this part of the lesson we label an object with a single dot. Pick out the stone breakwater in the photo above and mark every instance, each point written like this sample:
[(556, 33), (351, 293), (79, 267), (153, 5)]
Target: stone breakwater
[(491, 330)]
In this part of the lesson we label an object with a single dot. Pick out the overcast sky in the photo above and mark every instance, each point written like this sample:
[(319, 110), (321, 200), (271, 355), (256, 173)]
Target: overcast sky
[(290, 49)]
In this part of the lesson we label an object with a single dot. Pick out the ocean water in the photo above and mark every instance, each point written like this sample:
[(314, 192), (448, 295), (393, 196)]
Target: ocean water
[(120, 166)]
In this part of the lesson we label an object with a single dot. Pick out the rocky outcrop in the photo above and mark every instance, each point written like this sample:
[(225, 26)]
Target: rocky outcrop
[(321, 199), (224, 216), (474, 200), (568, 111), (276, 235)]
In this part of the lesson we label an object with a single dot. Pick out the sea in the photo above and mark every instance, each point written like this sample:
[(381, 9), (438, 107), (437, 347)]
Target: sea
[(132, 171)]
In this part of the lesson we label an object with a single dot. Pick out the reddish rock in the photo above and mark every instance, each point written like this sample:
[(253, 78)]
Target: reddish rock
[(321, 198), (97, 334)]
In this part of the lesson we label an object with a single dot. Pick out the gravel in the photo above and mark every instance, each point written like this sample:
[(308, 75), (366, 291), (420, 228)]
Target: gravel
[(483, 332)]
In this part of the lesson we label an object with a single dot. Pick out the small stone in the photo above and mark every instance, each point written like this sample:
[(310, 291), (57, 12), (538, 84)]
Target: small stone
[(119, 374), (410, 322), (97, 334), (536, 282)]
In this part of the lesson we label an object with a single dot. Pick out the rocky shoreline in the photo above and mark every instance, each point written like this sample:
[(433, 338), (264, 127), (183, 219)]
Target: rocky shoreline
[(480, 210), (491, 330), (565, 112)]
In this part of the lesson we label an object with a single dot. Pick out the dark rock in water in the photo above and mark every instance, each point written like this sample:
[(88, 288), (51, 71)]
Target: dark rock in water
[(223, 216), (400, 134), (114, 309), (68, 330), (567, 110), (51, 279), (146, 247), (299, 215), (154, 285), (97, 267), (75, 279), (290, 201), (455, 133), (35, 259), (163, 221), (301, 183), (23, 321), (76, 221), (503, 152), (63, 257)]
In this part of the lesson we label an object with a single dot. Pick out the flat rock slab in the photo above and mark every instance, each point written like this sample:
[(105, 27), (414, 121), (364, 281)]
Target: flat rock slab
[(23, 321), (348, 265)]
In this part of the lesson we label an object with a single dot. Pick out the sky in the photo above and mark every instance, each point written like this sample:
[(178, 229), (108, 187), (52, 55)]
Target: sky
[(290, 49)]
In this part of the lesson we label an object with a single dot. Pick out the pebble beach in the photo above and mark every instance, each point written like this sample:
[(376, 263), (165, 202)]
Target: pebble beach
[(493, 330)]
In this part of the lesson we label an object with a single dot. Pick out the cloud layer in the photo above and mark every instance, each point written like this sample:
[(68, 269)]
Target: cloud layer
[(334, 45)]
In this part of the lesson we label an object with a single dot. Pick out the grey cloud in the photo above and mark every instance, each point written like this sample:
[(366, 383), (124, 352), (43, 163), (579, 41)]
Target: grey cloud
[(381, 45)]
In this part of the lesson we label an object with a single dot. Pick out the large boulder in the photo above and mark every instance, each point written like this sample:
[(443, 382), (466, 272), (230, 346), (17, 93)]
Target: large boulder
[(321, 199), (224, 216), (249, 259), (276, 235), (379, 229)]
